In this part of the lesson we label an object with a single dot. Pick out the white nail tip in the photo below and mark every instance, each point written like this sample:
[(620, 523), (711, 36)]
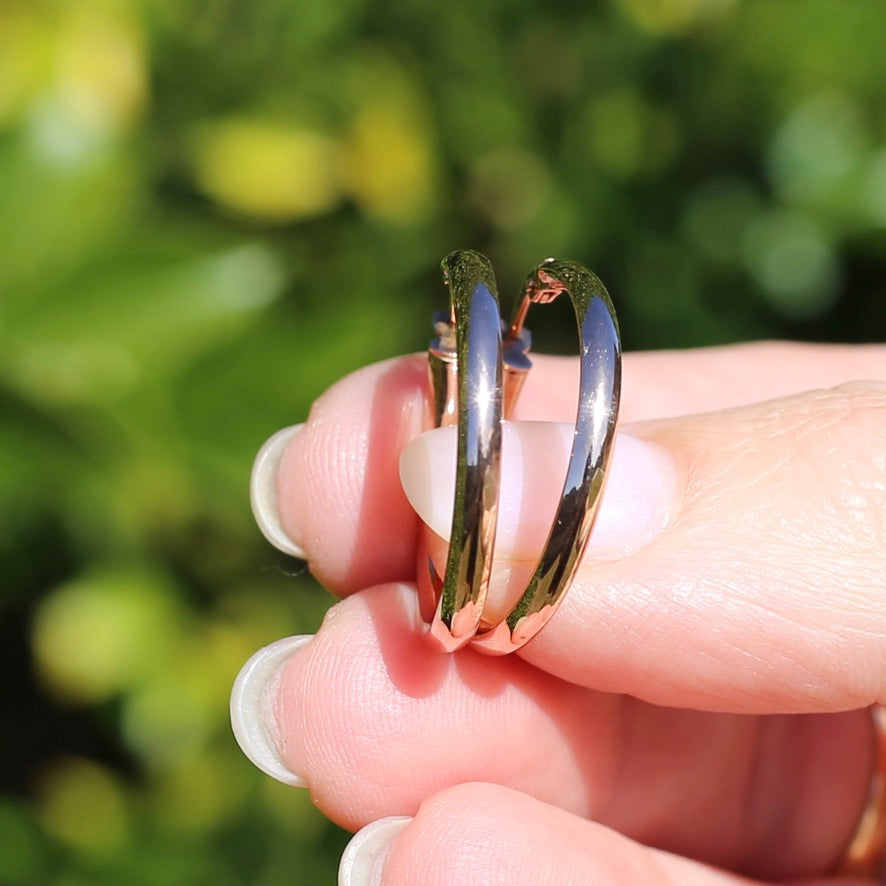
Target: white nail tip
[(533, 455), (253, 700), (263, 491), (635, 508), (362, 862)]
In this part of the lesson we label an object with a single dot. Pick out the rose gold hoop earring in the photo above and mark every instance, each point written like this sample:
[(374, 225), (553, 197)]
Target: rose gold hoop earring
[(598, 402), (465, 364), (476, 378)]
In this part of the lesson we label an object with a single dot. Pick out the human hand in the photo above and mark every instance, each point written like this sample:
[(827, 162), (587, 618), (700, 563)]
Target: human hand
[(695, 706)]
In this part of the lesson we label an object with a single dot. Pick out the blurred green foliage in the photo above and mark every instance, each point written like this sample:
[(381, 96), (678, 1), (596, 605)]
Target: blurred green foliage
[(211, 209)]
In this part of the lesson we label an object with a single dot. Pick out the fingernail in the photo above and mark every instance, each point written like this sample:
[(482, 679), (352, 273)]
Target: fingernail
[(253, 702), (639, 497), (263, 491), (363, 861)]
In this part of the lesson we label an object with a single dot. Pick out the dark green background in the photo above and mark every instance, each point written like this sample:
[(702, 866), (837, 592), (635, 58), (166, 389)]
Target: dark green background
[(211, 209)]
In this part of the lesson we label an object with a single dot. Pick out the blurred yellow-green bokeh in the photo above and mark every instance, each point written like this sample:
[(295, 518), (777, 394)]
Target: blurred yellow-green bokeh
[(211, 209)]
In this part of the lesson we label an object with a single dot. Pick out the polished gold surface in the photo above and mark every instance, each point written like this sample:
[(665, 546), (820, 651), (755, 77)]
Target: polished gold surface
[(466, 381), (597, 412), (475, 381)]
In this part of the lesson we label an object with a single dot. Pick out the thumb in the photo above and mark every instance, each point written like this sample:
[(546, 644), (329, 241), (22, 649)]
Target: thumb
[(741, 568)]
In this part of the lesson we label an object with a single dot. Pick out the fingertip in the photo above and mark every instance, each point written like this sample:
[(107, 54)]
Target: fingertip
[(263, 494), (362, 863), (338, 488), (253, 706)]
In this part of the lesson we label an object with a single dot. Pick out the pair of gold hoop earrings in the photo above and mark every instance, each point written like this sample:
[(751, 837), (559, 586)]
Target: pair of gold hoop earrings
[(477, 366)]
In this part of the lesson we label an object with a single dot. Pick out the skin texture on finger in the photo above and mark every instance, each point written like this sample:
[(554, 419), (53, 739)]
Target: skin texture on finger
[(765, 593), (482, 833), (339, 492), (665, 384), (376, 721)]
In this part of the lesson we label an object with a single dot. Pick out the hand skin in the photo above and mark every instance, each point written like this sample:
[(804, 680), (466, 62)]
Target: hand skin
[(703, 695)]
